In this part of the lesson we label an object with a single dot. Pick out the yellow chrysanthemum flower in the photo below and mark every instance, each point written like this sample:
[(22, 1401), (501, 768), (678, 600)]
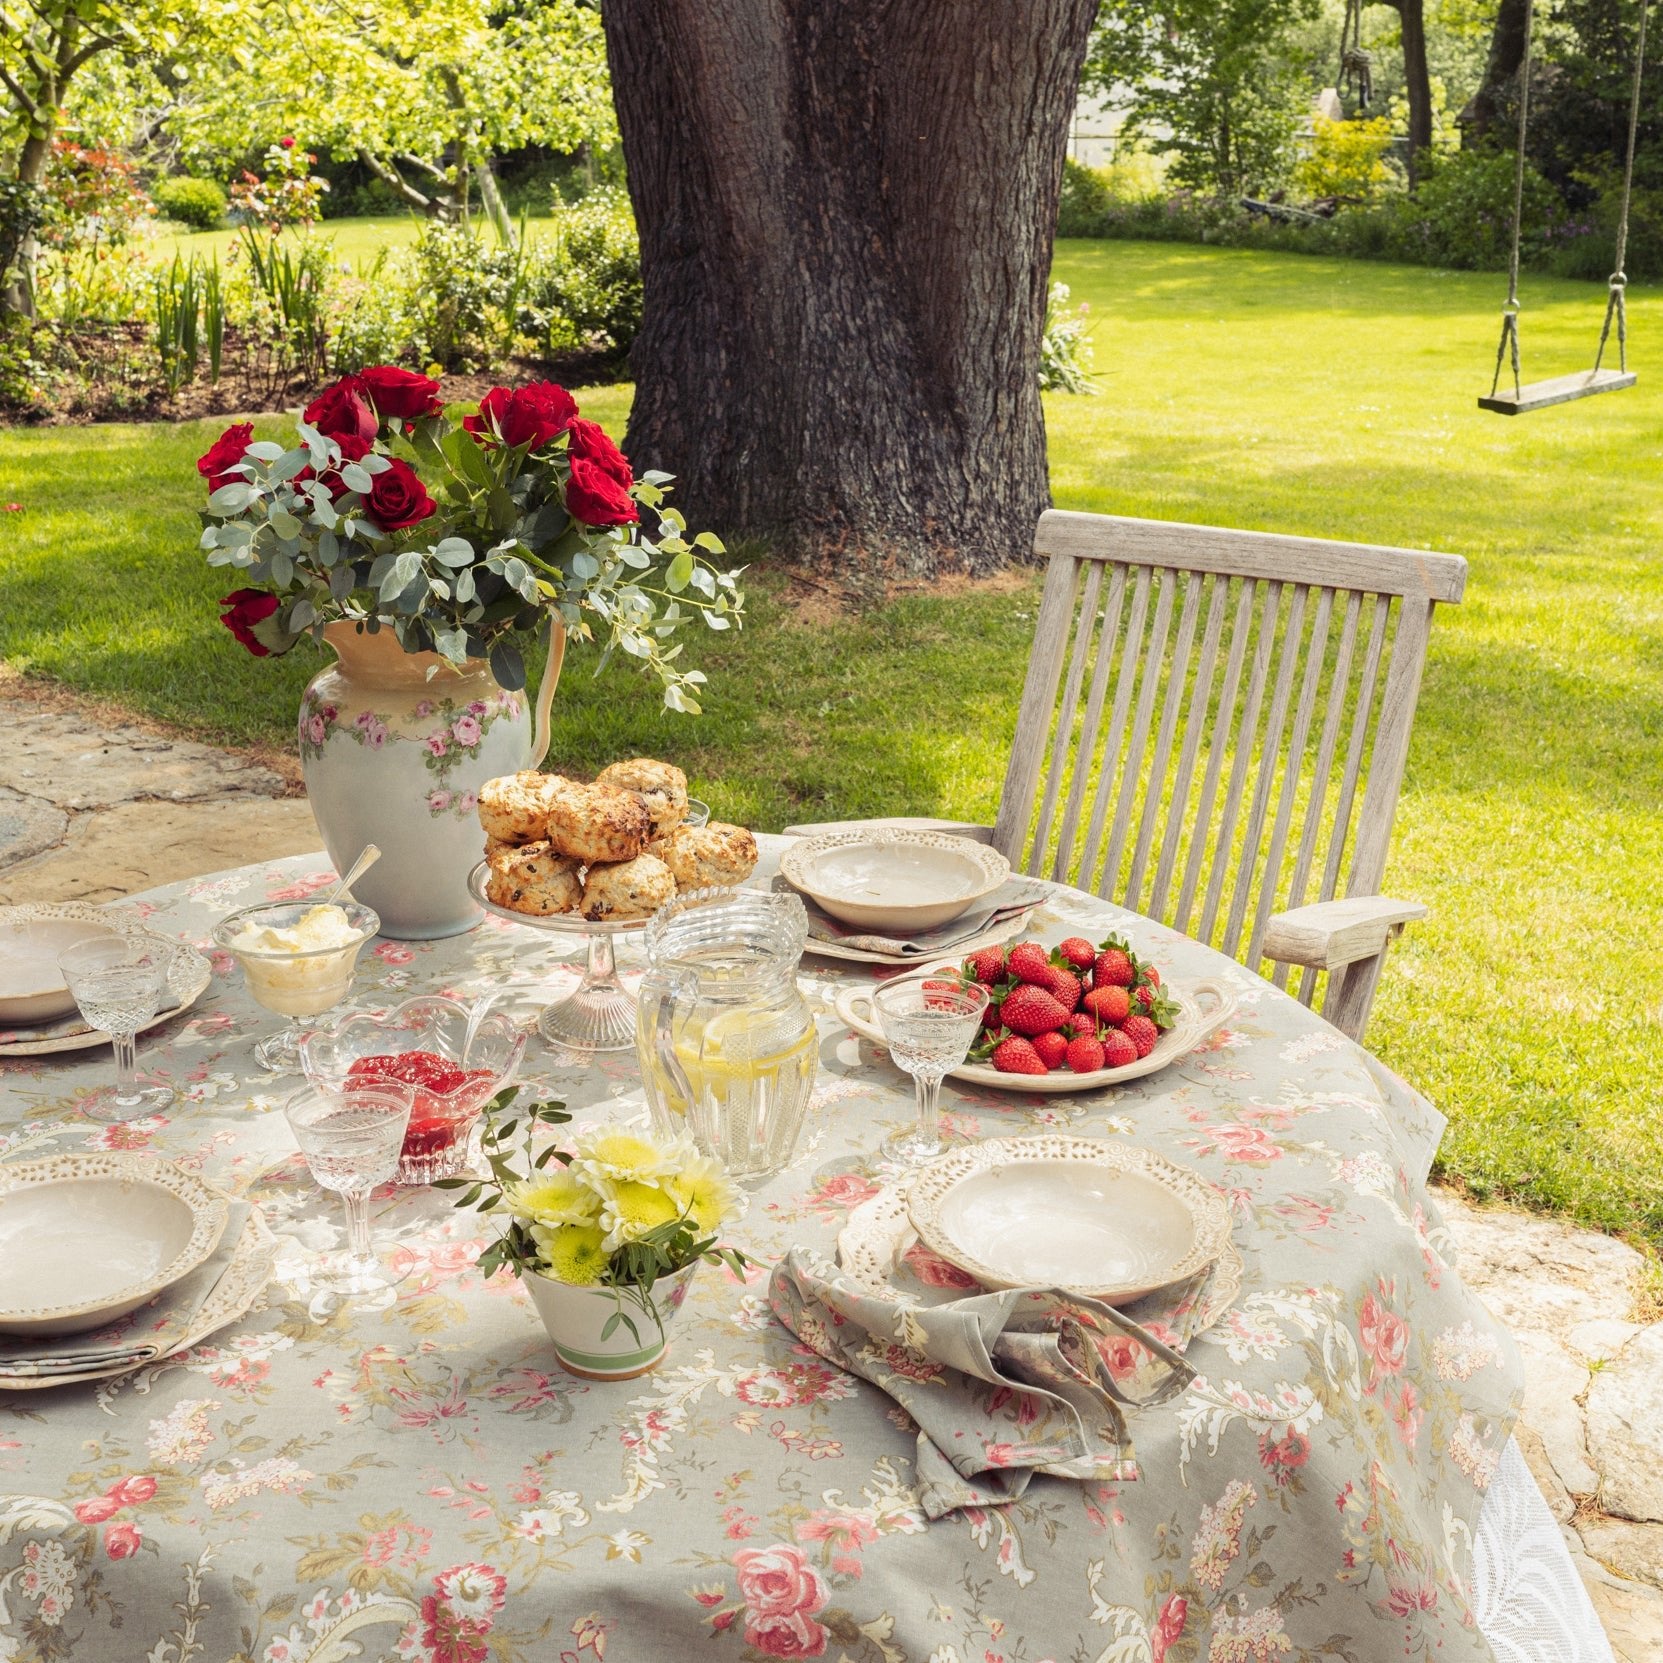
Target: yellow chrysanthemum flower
[(620, 1156), (703, 1191), (575, 1253), (632, 1209), (558, 1197)]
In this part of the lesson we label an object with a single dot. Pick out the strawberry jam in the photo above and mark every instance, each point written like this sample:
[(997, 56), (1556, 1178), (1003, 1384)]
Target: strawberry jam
[(447, 1097)]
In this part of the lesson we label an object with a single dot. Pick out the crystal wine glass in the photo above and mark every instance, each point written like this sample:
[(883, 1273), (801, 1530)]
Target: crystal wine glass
[(120, 982), (929, 1027), (351, 1137)]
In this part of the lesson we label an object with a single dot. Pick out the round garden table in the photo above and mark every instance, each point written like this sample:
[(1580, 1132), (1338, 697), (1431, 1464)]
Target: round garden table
[(314, 1486)]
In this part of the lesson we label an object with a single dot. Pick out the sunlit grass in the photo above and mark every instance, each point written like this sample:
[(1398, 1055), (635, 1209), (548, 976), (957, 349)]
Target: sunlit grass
[(1267, 391)]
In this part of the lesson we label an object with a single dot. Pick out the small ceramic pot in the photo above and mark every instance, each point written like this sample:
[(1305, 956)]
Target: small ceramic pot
[(576, 1316)]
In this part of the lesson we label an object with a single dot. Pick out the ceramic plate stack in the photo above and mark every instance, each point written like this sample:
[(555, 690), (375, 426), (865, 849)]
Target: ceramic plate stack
[(37, 1011), (897, 882), (86, 1240)]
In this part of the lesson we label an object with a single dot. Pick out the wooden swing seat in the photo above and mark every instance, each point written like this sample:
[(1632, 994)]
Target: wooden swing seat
[(1537, 395)]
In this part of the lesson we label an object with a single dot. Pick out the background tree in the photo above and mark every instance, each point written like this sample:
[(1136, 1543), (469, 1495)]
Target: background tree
[(845, 210), (1219, 86)]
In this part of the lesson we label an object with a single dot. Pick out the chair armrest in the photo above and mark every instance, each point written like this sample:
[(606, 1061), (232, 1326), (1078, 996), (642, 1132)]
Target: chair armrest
[(911, 822), (1329, 934)]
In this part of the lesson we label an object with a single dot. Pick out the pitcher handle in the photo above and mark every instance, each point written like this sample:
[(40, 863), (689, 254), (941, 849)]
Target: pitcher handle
[(540, 733), (660, 989)]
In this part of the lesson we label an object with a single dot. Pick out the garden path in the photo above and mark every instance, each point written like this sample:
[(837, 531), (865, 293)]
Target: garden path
[(94, 806)]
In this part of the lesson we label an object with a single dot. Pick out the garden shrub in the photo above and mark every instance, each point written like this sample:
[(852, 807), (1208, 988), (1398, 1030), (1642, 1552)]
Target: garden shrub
[(459, 287), (583, 286), (1082, 202), (1064, 352), (197, 202), (1347, 160), (1462, 213)]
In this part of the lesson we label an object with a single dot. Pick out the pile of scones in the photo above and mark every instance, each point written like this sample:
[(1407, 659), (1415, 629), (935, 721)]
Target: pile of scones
[(616, 849)]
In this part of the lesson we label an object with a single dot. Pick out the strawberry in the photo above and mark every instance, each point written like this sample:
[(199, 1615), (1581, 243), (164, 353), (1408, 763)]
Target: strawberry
[(1141, 1032), (1114, 968), (1118, 1050), (1143, 999), (1065, 988), (1081, 1022), (990, 1017), (1085, 1054), (1051, 1049), (1151, 975), (942, 984), (1079, 952), (1028, 963), (1031, 1010), (1017, 1056), (1109, 1004), (987, 966)]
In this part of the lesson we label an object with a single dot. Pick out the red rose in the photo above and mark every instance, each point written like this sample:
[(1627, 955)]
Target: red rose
[(530, 415), (97, 1510), (589, 440), (596, 498), (121, 1541), (287, 141), (398, 498), (342, 409), (227, 450), (399, 394), (130, 1492), (248, 608)]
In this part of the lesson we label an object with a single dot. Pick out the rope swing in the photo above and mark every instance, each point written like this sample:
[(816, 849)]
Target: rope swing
[(1537, 395)]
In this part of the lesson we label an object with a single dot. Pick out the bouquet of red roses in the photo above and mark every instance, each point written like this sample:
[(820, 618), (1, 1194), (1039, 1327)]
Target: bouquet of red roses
[(462, 536)]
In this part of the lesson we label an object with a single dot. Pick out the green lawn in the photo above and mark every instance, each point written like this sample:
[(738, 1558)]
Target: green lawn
[(1267, 391)]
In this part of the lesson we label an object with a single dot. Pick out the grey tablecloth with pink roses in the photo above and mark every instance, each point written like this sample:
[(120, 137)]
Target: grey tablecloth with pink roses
[(427, 1485)]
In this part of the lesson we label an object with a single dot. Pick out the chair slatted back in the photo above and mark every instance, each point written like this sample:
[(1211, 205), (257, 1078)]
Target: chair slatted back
[(1215, 723)]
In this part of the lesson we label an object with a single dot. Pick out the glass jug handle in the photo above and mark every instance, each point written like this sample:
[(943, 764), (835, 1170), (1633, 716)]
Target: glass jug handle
[(669, 1091)]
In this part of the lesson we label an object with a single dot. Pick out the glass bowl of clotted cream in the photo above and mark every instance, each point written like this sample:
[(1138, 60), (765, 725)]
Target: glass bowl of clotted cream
[(298, 958)]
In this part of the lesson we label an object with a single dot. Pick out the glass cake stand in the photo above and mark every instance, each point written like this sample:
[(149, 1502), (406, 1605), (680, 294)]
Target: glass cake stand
[(599, 1013)]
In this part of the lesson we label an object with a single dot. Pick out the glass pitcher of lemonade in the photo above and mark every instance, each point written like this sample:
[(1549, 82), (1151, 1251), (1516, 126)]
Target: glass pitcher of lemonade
[(726, 1041)]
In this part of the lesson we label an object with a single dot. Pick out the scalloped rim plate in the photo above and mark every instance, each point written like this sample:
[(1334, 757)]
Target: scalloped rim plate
[(1194, 1027), (944, 876), (71, 1184), (878, 1232), (1172, 1221)]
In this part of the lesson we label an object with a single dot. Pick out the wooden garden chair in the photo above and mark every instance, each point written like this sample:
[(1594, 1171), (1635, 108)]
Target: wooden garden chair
[(1213, 733)]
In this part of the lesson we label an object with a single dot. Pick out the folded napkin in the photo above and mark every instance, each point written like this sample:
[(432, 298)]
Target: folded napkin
[(1013, 899), (151, 1331), (1001, 1384)]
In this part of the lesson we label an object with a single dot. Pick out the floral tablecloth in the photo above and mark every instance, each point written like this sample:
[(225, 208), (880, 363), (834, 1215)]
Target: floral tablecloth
[(425, 1484)]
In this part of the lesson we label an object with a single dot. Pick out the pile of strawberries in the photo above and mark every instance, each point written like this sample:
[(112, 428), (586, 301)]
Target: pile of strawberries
[(1078, 1006)]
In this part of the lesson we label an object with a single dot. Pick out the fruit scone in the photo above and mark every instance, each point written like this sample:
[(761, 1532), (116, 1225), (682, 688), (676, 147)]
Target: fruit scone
[(532, 878), (660, 785), (515, 807), (596, 822), (627, 889), (713, 856)]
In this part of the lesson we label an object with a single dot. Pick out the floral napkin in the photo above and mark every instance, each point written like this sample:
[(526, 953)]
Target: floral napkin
[(1001, 1384), (152, 1331), (1015, 898)]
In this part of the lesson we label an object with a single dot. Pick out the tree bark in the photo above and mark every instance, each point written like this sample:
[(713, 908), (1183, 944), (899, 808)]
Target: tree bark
[(1417, 82), (846, 210), (1499, 86)]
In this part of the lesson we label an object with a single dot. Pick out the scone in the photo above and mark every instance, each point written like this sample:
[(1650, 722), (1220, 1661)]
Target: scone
[(703, 856), (534, 879), (515, 807), (627, 889), (500, 856), (660, 785), (597, 822)]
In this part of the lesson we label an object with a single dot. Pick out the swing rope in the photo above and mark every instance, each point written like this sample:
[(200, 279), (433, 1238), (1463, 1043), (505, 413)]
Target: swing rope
[(1618, 281), (1510, 311)]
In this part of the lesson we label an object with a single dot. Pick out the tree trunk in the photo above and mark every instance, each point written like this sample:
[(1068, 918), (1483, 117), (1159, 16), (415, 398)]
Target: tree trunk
[(1501, 73), (1417, 82), (19, 298), (846, 210)]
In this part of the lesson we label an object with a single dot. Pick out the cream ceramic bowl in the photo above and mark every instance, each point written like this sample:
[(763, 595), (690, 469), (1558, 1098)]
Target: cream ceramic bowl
[(32, 987), (1079, 1214), (85, 1239), (893, 878)]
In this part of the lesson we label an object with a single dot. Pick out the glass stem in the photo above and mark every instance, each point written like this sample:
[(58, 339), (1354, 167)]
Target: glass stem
[(602, 968), (126, 1064), (358, 1243), (929, 1094)]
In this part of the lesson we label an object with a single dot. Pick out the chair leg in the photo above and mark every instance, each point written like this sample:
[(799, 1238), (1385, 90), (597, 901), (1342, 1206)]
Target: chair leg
[(1350, 994)]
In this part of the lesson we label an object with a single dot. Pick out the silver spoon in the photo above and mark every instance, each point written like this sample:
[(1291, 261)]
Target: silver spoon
[(358, 868), (481, 1009)]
